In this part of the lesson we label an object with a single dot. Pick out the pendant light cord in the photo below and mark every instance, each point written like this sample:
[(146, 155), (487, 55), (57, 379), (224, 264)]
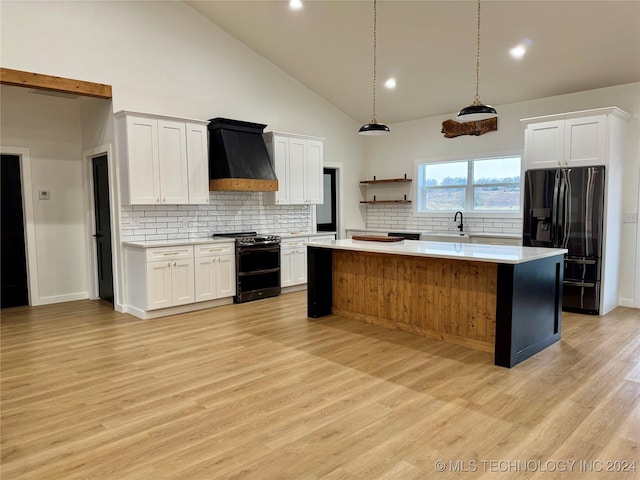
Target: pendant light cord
[(374, 119), (477, 97)]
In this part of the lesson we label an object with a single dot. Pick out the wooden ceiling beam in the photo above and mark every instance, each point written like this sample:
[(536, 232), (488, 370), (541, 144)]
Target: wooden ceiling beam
[(55, 84)]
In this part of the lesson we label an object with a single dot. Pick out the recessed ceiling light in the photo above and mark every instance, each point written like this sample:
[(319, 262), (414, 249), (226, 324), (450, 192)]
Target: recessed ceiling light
[(518, 51), (295, 4), (391, 83), (521, 49)]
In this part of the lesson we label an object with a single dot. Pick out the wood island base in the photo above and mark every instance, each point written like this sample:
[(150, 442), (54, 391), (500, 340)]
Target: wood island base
[(513, 310)]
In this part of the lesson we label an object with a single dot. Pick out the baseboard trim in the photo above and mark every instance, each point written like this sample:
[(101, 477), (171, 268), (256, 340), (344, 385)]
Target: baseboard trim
[(626, 302), (293, 288), (165, 312), (70, 297)]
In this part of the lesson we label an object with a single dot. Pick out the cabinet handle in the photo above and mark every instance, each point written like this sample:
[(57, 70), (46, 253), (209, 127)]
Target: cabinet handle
[(170, 253), (169, 264), (175, 264), (164, 200)]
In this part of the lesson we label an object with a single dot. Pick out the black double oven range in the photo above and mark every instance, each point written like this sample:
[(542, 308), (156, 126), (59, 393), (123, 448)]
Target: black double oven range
[(257, 265)]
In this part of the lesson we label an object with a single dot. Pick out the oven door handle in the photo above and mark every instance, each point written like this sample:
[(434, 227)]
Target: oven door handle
[(259, 249)]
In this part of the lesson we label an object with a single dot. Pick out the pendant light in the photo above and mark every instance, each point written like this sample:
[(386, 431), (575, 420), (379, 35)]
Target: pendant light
[(477, 111), (373, 127)]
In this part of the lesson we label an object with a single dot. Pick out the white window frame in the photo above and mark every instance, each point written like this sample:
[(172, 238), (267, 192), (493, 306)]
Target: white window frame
[(468, 212)]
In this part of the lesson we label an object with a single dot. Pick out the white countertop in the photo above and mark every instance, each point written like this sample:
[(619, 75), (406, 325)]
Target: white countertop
[(177, 243), (455, 251), (304, 234), (206, 240)]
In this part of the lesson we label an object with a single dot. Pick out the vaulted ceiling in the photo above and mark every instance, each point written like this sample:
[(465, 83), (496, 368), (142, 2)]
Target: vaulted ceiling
[(430, 48)]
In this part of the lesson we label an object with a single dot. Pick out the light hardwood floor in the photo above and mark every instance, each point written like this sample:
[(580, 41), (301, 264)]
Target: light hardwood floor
[(258, 391)]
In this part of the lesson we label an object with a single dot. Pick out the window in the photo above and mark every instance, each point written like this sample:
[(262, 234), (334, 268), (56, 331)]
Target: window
[(479, 184)]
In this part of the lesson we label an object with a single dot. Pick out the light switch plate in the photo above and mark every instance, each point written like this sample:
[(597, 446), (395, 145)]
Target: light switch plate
[(630, 218), (44, 194)]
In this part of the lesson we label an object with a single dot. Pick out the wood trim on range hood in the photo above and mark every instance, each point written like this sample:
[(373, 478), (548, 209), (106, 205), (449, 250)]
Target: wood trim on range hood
[(39, 81), (243, 185)]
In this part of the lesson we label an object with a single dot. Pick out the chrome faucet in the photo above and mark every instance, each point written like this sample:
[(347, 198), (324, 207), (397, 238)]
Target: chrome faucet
[(455, 219)]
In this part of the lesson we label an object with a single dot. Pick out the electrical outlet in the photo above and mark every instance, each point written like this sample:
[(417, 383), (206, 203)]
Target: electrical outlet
[(44, 194), (135, 221), (630, 218)]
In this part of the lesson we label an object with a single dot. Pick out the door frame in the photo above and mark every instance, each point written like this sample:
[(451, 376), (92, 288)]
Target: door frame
[(90, 224), (24, 156), (637, 248), (338, 167)]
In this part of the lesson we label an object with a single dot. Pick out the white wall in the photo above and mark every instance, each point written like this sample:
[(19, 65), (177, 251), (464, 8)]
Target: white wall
[(50, 128), (394, 154), (165, 58)]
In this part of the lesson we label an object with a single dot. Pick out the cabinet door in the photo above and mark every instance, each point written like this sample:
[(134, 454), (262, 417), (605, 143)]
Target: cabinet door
[(314, 174), (226, 276), (286, 266), (299, 264), (297, 171), (143, 161), (205, 278), (174, 172), (544, 145), (159, 285), (198, 163), (182, 279), (585, 141), (281, 167)]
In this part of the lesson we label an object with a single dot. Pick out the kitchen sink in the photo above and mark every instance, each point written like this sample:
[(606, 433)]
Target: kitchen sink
[(453, 237)]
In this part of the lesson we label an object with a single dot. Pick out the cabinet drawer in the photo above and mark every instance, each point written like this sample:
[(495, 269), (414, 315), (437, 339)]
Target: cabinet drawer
[(214, 249), (166, 253), (293, 242)]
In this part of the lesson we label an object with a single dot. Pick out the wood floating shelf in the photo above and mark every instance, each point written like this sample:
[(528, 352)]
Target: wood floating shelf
[(386, 180), (385, 201)]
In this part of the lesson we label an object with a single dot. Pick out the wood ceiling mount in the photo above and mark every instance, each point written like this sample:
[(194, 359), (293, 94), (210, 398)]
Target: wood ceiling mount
[(55, 84)]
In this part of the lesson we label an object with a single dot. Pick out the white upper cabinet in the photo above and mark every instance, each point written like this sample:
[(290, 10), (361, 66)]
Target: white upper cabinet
[(172, 152), (315, 191), (198, 162), (163, 160), (544, 145), (585, 141), (575, 139), (298, 163)]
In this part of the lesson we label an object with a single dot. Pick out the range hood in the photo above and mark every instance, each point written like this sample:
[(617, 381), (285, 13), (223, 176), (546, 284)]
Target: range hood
[(238, 157)]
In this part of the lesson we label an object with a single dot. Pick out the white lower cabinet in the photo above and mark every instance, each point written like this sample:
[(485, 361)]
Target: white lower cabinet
[(215, 272), (169, 283), (164, 277), (293, 261), (169, 277)]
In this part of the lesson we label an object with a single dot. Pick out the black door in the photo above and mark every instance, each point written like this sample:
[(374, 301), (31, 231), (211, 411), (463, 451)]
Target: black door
[(103, 227), (326, 212), (14, 261)]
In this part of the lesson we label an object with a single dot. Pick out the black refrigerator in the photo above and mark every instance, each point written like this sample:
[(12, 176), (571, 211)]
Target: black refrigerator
[(564, 208)]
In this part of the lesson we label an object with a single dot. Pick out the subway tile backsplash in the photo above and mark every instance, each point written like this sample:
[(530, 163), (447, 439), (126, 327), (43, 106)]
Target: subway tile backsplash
[(388, 218), (226, 212)]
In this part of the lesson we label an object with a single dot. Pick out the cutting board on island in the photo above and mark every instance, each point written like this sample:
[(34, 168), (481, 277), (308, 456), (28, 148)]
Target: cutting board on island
[(376, 238)]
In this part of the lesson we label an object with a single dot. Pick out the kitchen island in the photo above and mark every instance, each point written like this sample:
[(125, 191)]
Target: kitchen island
[(502, 299)]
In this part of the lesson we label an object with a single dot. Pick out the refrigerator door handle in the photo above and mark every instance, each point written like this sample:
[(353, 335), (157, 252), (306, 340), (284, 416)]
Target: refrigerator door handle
[(588, 214), (566, 208), (561, 209), (554, 210)]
